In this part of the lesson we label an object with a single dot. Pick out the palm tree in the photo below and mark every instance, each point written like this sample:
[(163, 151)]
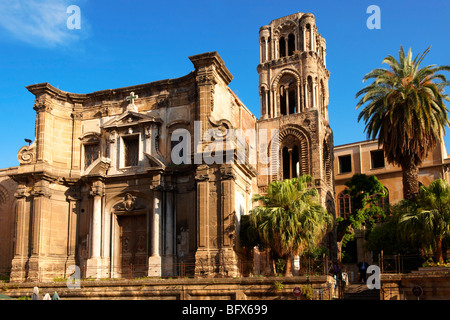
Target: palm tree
[(428, 223), (404, 108), (290, 219)]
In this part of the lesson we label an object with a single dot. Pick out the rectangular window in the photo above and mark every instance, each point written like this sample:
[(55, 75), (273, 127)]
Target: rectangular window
[(344, 205), (377, 159), (131, 151), (345, 164), (91, 152)]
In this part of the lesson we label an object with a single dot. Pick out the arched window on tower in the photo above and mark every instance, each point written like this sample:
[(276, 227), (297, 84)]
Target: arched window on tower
[(264, 109), (291, 164), (288, 95), (282, 47), (291, 44)]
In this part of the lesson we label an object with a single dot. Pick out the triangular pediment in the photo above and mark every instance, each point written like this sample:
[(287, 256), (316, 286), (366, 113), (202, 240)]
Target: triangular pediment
[(130, 118)]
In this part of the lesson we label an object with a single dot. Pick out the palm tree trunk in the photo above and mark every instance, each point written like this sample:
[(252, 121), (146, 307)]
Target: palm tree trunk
[(438, 252), (410, 179), (287, 269)]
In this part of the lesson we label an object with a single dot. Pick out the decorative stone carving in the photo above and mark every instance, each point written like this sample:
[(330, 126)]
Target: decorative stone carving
[(128, 204), (96, 190), (41, 191), (27, 154), (202, 173), (21, 192)]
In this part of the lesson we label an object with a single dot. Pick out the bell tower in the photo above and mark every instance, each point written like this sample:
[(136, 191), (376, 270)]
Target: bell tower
[(292, 72), (293, 87)]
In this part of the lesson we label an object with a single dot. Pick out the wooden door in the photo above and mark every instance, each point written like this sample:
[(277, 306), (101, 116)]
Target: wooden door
[(133, 239)]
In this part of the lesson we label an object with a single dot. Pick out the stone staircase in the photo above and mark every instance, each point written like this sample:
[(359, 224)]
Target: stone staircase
[(359, 291)]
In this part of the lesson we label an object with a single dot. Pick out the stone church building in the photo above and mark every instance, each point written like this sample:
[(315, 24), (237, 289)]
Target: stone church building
[(99, 188)]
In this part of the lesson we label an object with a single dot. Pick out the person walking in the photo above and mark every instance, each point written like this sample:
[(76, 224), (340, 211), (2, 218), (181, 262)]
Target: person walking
[(362, 267), (35, 295)]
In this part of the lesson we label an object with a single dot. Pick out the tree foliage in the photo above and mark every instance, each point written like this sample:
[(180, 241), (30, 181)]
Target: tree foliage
[(404, 108), (290, 218), (365, 193), (427, 222)]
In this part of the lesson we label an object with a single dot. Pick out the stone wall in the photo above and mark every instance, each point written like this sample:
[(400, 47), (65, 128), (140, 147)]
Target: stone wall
[(435, 283), (7, 217), (267, 288)]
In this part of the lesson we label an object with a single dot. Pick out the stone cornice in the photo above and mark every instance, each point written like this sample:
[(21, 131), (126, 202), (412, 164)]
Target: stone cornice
[(212, 58), (109, 94)]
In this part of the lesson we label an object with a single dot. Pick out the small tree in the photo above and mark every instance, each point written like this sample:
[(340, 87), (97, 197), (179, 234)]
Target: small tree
[(290, 219), (365, 193), (428, 222)]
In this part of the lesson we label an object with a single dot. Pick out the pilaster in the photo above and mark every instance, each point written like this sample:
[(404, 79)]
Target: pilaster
[(20, 260)]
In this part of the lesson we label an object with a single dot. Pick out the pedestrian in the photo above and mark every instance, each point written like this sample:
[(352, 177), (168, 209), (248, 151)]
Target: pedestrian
[(362, 266), (336, 272), (35, 295), (47, 297), (55, 296)]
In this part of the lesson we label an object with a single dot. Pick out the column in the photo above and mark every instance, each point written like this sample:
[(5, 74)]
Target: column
[(286, 96), (276, 48), (228, 264), (39, 229), (306, 93), (266, 49), (266, 101), (316, 100), (105, 252), (96, 225), (73, 198), (275, 111), (94, 263), (304, 39), (290, 163), (261, 52), (154, 261), (203, 262), (286, 46), (18, 271), (168, 265)]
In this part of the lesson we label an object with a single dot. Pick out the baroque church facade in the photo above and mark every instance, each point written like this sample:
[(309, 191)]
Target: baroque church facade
[(99, 188)]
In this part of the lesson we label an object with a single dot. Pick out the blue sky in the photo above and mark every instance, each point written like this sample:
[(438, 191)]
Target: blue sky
[(123, 43)]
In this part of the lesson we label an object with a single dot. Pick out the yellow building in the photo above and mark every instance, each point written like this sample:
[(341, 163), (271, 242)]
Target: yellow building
[(367, 158)]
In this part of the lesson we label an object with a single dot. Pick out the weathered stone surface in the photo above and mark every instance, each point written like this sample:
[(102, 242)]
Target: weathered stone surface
[(103, 156)]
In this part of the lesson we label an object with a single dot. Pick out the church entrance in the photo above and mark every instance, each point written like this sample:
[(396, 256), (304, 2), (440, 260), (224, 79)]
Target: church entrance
[(133, 240)]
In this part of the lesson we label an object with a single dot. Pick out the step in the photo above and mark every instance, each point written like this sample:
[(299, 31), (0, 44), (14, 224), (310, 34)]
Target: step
[(361, 292)]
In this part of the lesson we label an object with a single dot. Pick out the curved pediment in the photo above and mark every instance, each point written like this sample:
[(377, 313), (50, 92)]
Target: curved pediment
[(154, 162), (99, 167)]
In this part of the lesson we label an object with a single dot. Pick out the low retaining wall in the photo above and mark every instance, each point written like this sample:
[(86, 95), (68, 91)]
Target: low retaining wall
[(264, 288), (434, 281)]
